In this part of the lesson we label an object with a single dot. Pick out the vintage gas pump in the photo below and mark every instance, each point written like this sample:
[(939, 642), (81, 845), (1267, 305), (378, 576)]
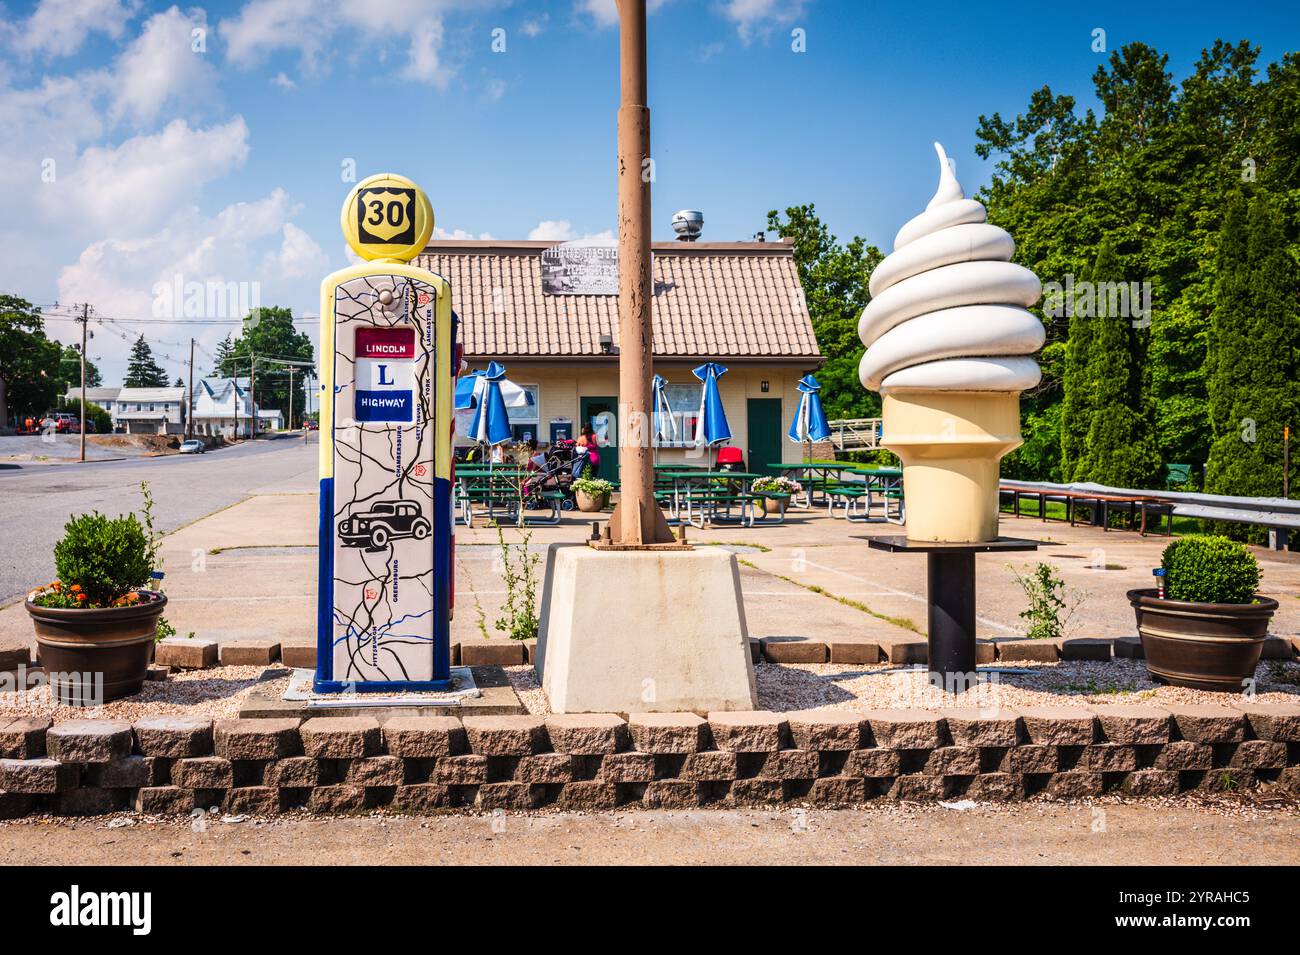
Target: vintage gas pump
[(386, 350)]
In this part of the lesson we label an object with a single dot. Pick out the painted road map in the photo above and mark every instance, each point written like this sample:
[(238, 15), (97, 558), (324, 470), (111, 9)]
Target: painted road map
[(383, 545)]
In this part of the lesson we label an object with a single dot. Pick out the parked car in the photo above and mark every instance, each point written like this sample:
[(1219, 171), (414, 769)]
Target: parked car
[(385, 521), (193, 446), (64, 422)]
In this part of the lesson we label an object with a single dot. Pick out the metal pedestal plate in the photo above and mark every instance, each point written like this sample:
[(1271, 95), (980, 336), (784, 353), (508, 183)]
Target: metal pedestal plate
[(950, 584)]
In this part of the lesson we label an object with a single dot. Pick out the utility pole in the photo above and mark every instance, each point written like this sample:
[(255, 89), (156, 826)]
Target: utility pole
[(291, 397), (637, 521), (189, 404), (252, 402), (85, 322)]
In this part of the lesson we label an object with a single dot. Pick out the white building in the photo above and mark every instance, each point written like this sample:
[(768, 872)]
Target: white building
[(149, 411), (221, 409)]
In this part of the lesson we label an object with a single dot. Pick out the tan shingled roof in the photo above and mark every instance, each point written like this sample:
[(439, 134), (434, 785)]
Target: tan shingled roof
[(712, 299)]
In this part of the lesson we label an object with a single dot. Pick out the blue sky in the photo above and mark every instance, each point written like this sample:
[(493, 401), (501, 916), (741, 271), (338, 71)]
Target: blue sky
[(128, 158)]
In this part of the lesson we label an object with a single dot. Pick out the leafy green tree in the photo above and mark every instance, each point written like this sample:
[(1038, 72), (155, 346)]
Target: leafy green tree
[(1254, 343), (1155, 169), (834, 278), (70, 369), (1120, 449), (269, 334), (141, 369), (29, 362)]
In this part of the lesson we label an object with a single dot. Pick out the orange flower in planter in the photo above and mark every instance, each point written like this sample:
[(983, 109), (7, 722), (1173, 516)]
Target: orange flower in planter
[(81, 597), (56, 586), (76, 588), (132, 597)]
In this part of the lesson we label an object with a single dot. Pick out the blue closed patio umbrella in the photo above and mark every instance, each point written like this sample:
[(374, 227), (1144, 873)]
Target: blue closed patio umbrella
[(711, 428), (809, 422), (666, 424), (491, 422)]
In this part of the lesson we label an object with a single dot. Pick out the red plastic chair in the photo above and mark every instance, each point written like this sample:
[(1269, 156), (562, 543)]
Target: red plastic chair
[(730, 459)]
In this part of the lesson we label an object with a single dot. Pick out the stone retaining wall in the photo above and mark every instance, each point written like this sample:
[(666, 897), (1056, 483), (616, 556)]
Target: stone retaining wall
[(672, 760)]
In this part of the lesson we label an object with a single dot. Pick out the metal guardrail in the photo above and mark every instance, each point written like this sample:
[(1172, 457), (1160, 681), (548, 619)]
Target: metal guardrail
[(856, 434), (1278, 514)]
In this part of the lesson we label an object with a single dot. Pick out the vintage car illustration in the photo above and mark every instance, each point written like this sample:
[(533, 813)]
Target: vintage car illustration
[(384, 522)]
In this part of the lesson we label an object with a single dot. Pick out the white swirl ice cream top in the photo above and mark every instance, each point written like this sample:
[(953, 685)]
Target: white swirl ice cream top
[(948, 307)]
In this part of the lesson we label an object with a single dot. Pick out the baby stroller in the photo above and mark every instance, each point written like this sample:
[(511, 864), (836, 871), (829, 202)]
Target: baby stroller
[(554, 473)]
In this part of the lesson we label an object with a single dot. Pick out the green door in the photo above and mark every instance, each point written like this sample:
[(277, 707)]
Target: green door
[(601, 414), (764, 434)]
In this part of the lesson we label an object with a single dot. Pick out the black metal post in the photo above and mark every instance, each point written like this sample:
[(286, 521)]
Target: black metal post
[(950, 581)]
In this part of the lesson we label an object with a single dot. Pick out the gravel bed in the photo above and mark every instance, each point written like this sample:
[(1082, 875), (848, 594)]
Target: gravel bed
[(217, 693), (524, 680), (784, 688), (214, 694), (790, 687)]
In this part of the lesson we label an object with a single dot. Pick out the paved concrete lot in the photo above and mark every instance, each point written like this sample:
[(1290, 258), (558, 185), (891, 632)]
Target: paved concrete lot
[(1036, 834), (249, 571), (37, 499)]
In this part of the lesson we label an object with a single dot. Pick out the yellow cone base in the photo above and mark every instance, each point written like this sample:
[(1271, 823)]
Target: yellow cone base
[(951, 444)]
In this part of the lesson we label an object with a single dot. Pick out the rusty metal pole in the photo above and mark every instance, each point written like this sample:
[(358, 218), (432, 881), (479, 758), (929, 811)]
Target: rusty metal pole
[(637, 520)]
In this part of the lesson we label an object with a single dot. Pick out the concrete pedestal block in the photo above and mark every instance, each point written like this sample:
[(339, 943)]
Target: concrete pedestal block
[(643, 631)]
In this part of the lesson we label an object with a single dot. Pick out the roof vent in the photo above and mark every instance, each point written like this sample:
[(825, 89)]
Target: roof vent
[(688, 224)]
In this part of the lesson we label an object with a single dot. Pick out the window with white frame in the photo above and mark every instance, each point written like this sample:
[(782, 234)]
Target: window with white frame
[(525, 420), (684, 402)]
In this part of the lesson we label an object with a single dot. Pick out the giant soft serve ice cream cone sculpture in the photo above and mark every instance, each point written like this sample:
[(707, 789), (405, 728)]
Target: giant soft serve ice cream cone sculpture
[(949, 341)]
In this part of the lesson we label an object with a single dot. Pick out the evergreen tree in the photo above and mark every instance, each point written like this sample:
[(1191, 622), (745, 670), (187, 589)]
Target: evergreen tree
[(1079, 401), (1119, 449), (1252, 365), (141, 370), (221, 363)]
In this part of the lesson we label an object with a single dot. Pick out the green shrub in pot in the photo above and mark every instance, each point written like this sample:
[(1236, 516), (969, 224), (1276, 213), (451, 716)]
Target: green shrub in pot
[(1210, 569), (1208, 630)]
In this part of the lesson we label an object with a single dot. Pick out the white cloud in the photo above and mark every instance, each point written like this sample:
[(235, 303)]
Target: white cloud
[(264, 26), (60, 27), (308, 27), (299, 256), (534, 27), (160, 66), (138, 184), (553, 230), (605, 12), (245, 243), (561, 230), (757, 17), (282, 80), (459, 235), (425, 64)]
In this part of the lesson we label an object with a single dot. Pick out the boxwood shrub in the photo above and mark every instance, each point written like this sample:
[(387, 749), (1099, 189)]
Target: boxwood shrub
[(105, 556), (1209, 569)]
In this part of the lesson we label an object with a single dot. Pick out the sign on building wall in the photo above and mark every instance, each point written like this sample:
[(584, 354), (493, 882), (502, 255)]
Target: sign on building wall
[(581, 267), (385, 521)]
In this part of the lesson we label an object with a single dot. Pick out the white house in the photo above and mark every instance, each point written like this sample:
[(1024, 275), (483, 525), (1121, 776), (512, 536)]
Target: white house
[(149, 411), (221, 408)]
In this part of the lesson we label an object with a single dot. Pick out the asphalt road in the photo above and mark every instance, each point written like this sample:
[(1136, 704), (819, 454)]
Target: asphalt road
[(37, 499)]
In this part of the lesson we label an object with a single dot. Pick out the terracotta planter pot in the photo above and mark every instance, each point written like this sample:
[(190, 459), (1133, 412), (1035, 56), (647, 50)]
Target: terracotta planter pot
[(1201, 645), (775, 505), (591, 502), (80, 647)]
